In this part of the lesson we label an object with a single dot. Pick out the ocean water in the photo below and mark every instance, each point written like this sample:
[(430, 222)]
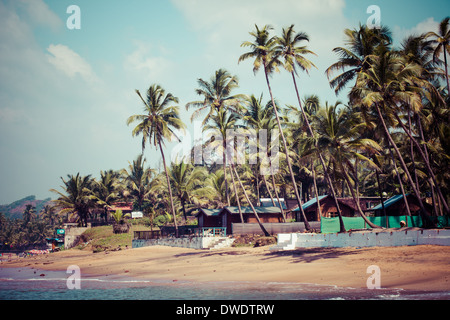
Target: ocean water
[(31, 284)]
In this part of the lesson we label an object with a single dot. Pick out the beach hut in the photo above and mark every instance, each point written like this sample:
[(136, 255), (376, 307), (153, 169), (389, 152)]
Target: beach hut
[(209, 218), (231, 215), (225, 217), (395, 206), (328, 207)]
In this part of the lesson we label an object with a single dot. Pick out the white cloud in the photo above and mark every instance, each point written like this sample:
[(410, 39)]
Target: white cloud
[(400, 33), (70, 62), (39, 13), (148, 62)]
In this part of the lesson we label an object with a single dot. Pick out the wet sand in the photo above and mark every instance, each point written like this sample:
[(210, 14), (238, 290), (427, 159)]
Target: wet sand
[(421, 268)]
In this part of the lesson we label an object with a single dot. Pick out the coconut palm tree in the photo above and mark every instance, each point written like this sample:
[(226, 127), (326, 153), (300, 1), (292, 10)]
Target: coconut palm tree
[(185, 179), (294, 59), (157, 124), (360, 43), (385, 85), (261, 117), (137, 180), (339, 135), (441, 40), (216, 94), (106, 191), (267, 234), (263, 51), (77, 198), (220, 123)]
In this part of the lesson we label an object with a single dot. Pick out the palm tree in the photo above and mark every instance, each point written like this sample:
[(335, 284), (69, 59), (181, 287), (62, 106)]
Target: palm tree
[(186, 179), (77, 199), (262, 117), (267, 234), (263, 50), (223, 121), (360, 43), (215, 185), (106, 191), (217, 95), (137, 179), (48, 214), (339, 135), (442, 42), (383, 86), (158, 124), (293, 57)]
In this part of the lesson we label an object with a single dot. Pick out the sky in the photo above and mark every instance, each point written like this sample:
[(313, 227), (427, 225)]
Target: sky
[(66, 93)]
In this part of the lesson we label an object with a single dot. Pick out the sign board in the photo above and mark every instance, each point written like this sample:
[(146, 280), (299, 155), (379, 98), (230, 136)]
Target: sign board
[(136, 214), (60, 231)]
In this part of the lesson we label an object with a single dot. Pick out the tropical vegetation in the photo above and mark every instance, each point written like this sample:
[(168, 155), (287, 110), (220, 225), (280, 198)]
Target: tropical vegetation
[(390, 136)]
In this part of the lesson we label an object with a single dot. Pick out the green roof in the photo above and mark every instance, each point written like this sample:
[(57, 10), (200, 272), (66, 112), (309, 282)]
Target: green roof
[(210, 212)]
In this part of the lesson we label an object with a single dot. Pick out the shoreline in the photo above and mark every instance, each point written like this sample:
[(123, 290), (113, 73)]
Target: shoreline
[(418, 268)]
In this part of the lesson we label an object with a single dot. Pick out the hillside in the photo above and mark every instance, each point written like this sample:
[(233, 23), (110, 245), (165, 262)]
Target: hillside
[(14, 210)]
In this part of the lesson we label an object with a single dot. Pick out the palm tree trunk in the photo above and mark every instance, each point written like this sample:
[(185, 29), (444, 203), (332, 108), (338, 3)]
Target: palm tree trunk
[(430, 180), (170, 189), (380, 191), (426, 220), (327, 176), (294, 184), (278, 198), (268, 190), (358, 206), (183, 207), (237, 197), (427, 163), (401, 184), (224, 158), (446, 70), (250, 203), (411, 150), (316, 191)]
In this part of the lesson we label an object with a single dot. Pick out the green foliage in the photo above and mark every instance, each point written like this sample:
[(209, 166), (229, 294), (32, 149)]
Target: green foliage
[(345, 143), (31, 230)]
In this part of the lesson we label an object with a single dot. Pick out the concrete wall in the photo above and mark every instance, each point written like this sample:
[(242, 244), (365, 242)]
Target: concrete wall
[(71, 234), (194, 243), (292, 241)]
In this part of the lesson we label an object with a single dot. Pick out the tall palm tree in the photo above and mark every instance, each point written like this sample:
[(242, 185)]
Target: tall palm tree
[(360, 43), (384, 86), (263, 50), (262, 117), (339, 135), (77, 198), (217, 95), (294, 59), (442, 42), (158, 124)]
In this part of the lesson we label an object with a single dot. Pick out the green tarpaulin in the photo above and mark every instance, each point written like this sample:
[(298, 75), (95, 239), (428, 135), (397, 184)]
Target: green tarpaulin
[(331, 225)]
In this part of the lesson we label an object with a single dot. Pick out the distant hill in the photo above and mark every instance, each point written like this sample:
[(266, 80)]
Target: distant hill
[(14, 210)]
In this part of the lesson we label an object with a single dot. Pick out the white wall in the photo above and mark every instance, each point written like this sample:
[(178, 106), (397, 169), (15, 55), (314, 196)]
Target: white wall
[(292, 241)]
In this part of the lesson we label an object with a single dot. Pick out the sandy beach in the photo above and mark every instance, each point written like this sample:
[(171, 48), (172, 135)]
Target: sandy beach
[(422, 268)]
